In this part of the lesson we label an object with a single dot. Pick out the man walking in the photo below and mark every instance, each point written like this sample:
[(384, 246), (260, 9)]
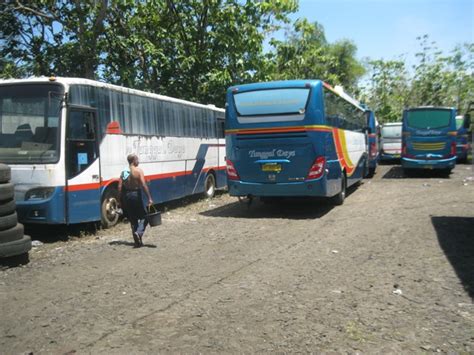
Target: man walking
[(130, 187)]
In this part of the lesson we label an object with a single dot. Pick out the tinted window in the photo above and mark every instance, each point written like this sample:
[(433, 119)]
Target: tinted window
[(271, 102), (342, 114), (29, 121), (146, 115), (428, 119)]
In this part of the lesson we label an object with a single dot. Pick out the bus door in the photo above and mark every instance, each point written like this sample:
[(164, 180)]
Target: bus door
[(82, 166)]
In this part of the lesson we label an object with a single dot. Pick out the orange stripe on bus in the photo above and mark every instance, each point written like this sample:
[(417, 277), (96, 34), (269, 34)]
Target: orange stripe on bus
[(96, 185), (341, 150)]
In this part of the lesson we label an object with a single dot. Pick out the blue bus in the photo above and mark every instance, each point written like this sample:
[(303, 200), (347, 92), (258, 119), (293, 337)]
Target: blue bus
[(294, 138), (462, 139), (373, 141), (429, 138)]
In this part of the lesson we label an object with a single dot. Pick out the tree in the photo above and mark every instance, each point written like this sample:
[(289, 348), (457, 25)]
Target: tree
[(54, 37), (387, 92), (192, 49), (306, 54)]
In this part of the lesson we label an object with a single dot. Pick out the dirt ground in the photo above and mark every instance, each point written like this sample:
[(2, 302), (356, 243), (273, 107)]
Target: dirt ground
[(390, 271)]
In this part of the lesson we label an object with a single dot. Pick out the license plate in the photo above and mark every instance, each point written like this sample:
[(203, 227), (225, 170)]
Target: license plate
[(428, 167), (273, 167)]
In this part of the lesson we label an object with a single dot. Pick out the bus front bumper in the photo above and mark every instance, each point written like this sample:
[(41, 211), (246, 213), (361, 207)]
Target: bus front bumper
[(387, 156), (307, 188), (408, 163), (43, 211)]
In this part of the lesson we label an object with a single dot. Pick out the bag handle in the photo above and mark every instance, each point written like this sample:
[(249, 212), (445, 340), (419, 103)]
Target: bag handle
[(150, 207)]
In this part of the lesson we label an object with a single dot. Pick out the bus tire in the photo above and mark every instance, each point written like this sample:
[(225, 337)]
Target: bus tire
[(447, 172), (6, 191), (12, 234), (341, 196), (210, 186), (109, 206), (5, 173), (15, 260), (8, 221), (7, 207)]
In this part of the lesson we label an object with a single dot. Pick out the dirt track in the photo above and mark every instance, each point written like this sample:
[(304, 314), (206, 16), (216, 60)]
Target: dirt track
[(392, 270)]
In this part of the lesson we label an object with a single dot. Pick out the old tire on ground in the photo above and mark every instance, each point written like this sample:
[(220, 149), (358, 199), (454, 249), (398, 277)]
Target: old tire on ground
[(7, 207), (341, 196), (210, 186), (8, 221), (6, 191), (11, 234), (17, 247), (16, 260), (5, 173), (109, 207)]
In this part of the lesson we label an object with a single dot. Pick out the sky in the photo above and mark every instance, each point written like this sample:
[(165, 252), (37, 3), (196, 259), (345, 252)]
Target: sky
[(388, 28)]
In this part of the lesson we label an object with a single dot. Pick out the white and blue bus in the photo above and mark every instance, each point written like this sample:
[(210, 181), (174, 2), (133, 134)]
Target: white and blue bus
[(294, 138), (67, 139)]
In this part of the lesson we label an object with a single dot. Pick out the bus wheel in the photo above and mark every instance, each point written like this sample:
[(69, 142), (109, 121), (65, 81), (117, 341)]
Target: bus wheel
[(341, 196), (110, 205), (210, 186)]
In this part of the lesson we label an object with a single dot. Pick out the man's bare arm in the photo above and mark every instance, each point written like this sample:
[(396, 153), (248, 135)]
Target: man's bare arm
[(145, 187)]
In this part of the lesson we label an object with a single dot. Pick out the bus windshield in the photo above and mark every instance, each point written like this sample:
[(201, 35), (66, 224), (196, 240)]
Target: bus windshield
[(392, 131), (272, 102), (29, 121), (428, 119)]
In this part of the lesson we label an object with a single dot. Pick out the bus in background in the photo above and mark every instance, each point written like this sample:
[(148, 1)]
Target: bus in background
[(462, 139), (373, 131), (293, 138), (429, 138), (67, 139), (391, 141)]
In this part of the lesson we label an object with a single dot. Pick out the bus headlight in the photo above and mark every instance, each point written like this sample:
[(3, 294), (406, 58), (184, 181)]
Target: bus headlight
[(39, 193)]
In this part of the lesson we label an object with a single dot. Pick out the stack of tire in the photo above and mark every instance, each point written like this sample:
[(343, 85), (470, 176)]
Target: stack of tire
[(14, 245)]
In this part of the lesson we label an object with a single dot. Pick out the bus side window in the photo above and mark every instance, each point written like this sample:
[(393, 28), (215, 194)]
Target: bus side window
[(82, 149)]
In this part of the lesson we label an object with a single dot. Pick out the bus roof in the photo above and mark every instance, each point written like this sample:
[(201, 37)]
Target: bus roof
[(81, 81)]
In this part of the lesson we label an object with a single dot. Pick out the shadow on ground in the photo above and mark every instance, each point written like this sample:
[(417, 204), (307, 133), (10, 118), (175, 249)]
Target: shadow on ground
[(131, 244), (396, 172), (287, 208), (57, 233), (14, 261), (456, 238)]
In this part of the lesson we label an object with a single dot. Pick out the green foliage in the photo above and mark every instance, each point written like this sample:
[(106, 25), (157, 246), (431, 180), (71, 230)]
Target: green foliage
[(306, 54), (53, 37), (436, 79), (195, 49), (189, 49), (388, 91)]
